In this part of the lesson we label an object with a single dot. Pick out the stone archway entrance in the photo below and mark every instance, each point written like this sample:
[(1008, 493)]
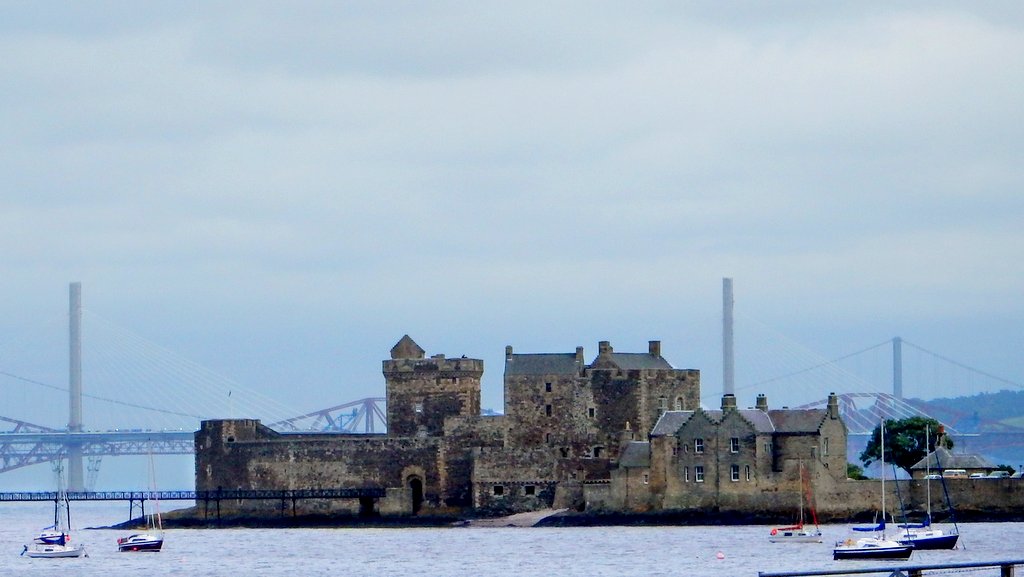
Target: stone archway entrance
[(416, 489)]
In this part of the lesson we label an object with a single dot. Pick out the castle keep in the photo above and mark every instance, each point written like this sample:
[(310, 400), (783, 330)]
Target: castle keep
[(622, 433)]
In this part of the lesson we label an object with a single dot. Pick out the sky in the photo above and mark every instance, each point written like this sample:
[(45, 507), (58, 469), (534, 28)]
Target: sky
[(278, 192)]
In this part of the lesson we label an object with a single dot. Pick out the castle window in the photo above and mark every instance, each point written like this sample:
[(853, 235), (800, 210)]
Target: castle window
[(748, 472), (597, 452), (679, 404), (231, 439), (591, 412), (675, 450), (547, 387), (647, 478), (768, 448), (547, 438), (698, 445), (686, 474), (455, 380), (565, 452), (698, 474), (529, 490), (662, 403), (498, 490), (734, 473), (547, 410), (417, 407), (825, 449), (734, 445)]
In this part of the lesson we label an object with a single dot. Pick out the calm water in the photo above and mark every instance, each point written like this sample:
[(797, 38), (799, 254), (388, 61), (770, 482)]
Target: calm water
[(476, 552)]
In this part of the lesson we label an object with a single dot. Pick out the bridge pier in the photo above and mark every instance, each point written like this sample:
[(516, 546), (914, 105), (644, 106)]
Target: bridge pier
[(76, 470)]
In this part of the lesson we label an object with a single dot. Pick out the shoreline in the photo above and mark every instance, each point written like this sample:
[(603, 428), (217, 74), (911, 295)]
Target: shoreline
[(547, 518)]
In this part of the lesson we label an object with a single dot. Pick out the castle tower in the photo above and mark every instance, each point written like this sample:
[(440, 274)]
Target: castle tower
[(422, 392)]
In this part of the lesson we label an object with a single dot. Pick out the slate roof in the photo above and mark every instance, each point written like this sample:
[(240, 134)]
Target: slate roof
[(635, 361), (669, 422), (760, 419), (950, 460), (797, 420), (406, 348), (542, 364), (636, 454)]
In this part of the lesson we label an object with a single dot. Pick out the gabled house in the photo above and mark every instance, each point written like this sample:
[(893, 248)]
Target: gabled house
[(726, 459)]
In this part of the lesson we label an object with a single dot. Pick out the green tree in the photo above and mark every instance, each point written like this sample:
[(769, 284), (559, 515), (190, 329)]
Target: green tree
[(904, 442), (854, 472)]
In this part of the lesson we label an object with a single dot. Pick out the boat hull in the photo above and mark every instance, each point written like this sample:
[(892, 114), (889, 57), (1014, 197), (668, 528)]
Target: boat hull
[(129, 545), (55, 552), (932, 542), (795, 537), (847, 553)]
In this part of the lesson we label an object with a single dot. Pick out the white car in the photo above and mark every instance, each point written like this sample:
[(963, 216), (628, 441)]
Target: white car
[(978, 475)]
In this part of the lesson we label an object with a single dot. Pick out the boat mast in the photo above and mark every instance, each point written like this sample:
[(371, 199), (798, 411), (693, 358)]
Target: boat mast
[(928, 477), (801, 492), (881, 435)]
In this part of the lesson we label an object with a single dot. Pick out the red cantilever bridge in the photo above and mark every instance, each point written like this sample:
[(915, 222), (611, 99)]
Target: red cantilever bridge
[(24, 444)]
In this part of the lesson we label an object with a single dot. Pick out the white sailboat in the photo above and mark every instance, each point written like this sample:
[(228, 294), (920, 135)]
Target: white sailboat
[(798, 533), (54, 542), (152, 539), (923, 535), (879, 546)]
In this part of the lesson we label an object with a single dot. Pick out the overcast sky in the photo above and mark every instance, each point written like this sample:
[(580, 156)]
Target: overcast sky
[(280, 191)]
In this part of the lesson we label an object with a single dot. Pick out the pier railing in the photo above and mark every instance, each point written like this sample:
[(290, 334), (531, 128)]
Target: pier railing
[(1006, 569), (219, 494)]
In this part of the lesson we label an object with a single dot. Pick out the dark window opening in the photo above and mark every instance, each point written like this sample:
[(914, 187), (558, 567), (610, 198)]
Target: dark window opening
[(530, 490)]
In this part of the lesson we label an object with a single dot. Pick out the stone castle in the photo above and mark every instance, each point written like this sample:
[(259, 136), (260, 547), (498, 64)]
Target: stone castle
[(623, 433)]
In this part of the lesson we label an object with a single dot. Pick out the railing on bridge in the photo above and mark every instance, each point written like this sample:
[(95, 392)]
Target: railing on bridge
[(1006, 569), (284, 496), (222, 494)]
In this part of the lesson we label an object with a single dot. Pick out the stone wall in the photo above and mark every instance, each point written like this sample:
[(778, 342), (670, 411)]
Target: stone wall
[(243, 454), (422, 393), (550, 410)]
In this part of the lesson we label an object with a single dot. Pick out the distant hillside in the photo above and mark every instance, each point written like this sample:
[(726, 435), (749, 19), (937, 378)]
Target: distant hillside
[(985, 411)]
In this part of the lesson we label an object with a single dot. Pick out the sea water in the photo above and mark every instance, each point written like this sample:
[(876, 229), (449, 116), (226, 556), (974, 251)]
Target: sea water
[(456, 551)]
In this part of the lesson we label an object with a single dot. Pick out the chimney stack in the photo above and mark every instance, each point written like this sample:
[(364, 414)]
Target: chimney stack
[(762, 403), (833, 406), (728, 402), (654, 348)]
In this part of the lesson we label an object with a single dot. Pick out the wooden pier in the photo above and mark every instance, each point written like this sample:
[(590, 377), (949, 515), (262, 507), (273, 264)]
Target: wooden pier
[(138, 498)]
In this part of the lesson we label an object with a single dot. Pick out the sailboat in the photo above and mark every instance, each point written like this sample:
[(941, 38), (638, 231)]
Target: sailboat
[(923, 535), (152, 539), (798, 533), (878, 547), (54, 542)]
